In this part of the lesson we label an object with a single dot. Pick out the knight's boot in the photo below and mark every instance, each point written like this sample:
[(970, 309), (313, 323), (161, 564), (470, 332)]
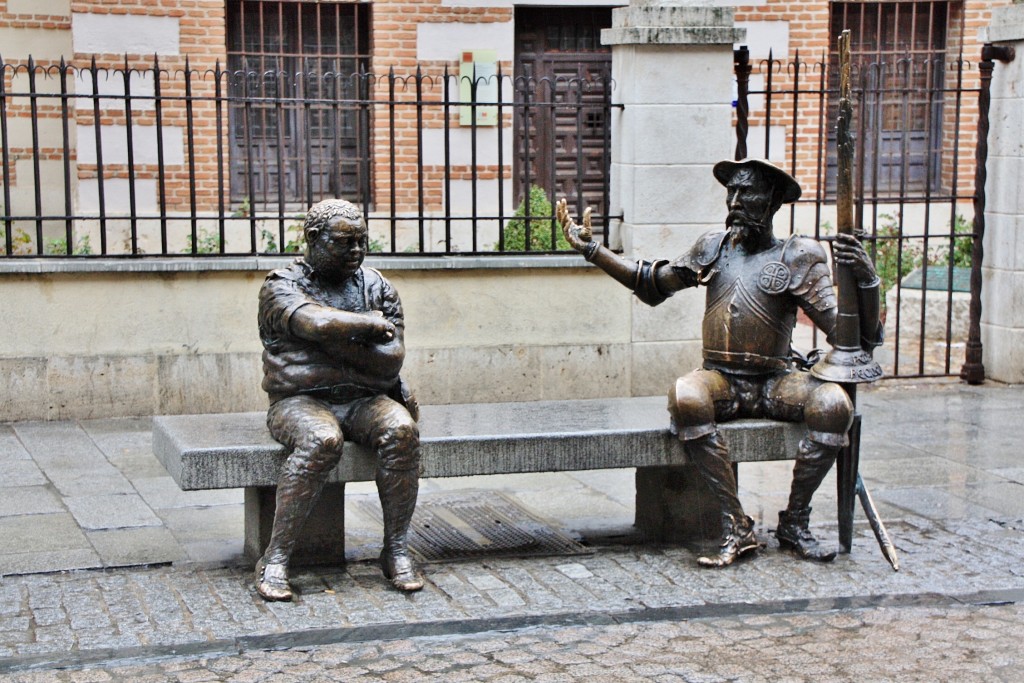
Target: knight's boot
[(793, 534), (738, 539), (398, 490), (814, 460), (711, 457)]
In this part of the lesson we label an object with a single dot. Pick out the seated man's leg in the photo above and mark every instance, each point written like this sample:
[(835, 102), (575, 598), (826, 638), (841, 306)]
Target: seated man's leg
[(310, 430), (386, 426), (828, 412), (692, 401)]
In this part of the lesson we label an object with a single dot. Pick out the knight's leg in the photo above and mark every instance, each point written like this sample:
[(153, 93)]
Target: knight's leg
[(312, 432), (828, 413), (692, 406), (389, 428)]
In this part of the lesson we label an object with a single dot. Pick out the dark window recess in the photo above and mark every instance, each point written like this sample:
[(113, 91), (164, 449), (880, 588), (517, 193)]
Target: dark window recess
[(565, 150), (898, 51), (297, 131)]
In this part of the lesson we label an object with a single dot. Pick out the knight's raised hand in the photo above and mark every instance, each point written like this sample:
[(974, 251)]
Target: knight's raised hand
[(579, 237)]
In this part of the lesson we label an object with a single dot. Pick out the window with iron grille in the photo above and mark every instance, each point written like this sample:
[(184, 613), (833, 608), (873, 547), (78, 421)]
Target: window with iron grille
[(898, 49), (298, 132), (564, 150)]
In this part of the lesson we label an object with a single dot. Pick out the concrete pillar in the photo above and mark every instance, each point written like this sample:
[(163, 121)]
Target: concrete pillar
[(322, 540), (672, 66), (1002, 318), (673, 70)]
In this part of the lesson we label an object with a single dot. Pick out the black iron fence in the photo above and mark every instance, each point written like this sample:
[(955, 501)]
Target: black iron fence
[(919, 203), (148, 161)]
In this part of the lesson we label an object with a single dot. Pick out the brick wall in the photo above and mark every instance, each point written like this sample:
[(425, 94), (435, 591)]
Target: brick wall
[(808, 27), (394, 35), (199, 28)]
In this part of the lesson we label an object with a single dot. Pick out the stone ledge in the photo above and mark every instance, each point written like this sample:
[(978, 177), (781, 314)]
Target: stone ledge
[(673, 35), (267, 263), (1007, 25)]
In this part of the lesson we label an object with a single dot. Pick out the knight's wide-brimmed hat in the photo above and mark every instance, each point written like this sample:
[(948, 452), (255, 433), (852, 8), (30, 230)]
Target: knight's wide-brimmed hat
[(785, 185)]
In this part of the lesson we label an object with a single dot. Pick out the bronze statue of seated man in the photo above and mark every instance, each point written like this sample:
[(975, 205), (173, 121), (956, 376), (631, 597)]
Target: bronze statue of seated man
[(333, 338)]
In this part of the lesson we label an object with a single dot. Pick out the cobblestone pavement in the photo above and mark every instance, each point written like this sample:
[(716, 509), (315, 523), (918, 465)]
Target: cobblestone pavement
[(961, 643), (94, 618), (943, 463)]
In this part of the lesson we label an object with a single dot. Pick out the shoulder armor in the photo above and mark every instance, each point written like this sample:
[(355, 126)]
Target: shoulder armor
[(801, 254), (705, 250)]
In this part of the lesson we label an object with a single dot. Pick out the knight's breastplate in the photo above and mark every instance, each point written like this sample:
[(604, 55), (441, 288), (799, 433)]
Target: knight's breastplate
[(750, 314)]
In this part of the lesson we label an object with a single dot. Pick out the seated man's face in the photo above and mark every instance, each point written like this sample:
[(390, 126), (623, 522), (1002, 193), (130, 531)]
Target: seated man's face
[(339, 250), (748, 199)]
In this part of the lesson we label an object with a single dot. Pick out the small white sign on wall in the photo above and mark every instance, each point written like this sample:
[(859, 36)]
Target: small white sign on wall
[(478, 87)]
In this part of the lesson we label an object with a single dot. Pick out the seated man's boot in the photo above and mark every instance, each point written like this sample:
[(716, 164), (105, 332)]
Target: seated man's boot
[(272, 581), (793, 534), (400, 570), (738, 539), (398, 490)]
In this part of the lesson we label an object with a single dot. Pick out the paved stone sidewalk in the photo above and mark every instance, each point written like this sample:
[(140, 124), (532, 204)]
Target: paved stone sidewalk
[(80, 503), (93, 617), (951, 643)]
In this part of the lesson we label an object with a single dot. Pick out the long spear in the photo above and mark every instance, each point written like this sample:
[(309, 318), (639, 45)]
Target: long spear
[(847, 363)]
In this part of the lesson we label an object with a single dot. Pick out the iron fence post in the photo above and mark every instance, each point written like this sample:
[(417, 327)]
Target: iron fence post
[(973, 370), (741, 60)]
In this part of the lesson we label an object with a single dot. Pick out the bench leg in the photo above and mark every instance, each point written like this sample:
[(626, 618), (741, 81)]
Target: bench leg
[(674, 505), (847, 464), (322, 540)]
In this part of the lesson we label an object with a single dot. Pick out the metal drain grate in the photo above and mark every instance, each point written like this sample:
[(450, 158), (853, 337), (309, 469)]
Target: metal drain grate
[(474, 524)]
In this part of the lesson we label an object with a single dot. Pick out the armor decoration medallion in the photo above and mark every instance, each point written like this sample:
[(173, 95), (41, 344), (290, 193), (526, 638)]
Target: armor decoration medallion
[(773, 278)]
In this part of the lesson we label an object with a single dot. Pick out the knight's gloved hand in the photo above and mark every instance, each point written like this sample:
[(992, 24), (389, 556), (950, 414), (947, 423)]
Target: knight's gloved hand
[(578, 237), (848, 251)]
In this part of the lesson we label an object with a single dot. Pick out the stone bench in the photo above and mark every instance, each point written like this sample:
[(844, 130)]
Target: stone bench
[(235, 450)]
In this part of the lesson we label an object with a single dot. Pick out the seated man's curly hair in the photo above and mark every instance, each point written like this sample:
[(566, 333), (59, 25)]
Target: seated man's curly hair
[(321, 214)]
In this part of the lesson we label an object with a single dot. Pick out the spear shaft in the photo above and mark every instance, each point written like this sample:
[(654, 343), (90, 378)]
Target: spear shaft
[(847, 363)]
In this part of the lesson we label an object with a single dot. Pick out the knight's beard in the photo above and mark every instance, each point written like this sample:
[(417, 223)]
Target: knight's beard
[(744, 230)]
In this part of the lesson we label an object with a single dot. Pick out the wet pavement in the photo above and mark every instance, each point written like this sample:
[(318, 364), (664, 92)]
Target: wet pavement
[(111, 573)]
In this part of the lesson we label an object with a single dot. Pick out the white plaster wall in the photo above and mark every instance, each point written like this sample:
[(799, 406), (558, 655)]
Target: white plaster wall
[(116, 195), (487, 193), (164, 343), (776, 143), (42, 44), (51, 181), (125, 33), (49, 130), (765, 36), (114, 139), (110, 85), (540, 3), (460, 145), (437, 41)]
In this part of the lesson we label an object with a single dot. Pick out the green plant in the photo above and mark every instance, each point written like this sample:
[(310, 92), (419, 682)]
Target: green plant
[(243, 209), (962, 243), (206, 243), (60, 246), (21, 242), (295, 240), (895, 256), (542, 225)]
